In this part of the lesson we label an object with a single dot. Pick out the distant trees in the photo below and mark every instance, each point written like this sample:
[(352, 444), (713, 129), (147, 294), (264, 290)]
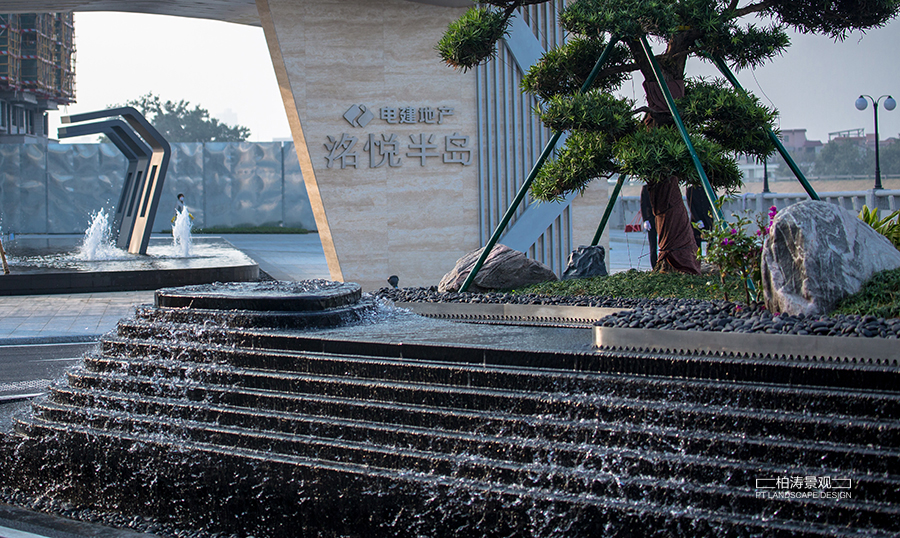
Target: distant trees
[(178, 122), (890, 158), (844, 157)]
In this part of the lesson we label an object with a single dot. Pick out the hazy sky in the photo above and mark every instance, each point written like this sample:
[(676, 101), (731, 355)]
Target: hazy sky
[(226, 69), (223, 67)]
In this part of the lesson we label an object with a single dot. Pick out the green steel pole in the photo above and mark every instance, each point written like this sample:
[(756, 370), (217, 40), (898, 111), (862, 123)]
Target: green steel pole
[(609, 208), (670, 101), (723, 68), (548, 149)]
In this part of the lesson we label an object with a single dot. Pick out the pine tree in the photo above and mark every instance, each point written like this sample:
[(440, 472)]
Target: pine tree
[(610, 135)]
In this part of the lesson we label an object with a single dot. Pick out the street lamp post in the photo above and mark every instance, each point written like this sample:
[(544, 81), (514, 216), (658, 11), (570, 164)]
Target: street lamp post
[(889, 104)]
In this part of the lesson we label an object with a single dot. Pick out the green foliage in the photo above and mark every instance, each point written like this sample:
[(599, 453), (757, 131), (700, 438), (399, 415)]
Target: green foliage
[(843, 157), (584, 157), (628, 19), (640, 284), (888, 226), (471, 39), (737, 253), (846, 157), (733, 119), (720, 122), (836, 18), (890, 158), (594, 111), (879, 297), (657, 154), (177, 122), (562, 71), (747, 47)]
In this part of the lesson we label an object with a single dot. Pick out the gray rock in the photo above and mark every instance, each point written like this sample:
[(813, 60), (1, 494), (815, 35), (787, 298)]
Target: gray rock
[(585, 262), (504, 268), (818, 253)]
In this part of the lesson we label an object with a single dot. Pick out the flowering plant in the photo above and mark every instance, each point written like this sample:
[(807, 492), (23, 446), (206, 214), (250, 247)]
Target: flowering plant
[(733, 250)]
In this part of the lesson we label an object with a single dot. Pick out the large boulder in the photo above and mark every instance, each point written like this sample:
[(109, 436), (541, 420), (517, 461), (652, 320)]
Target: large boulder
[(816, 254), (585, 262), (504, 268)]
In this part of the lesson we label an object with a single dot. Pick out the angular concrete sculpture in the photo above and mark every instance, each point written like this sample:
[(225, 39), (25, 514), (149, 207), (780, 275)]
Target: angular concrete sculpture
[(148, 156), (817, 254)]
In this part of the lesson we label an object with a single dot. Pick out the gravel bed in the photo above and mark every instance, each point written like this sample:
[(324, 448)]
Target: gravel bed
[(675, 314)]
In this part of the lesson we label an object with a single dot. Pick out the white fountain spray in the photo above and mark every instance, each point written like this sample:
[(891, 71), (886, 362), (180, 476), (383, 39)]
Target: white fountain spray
[(97, 244), (181, 234)]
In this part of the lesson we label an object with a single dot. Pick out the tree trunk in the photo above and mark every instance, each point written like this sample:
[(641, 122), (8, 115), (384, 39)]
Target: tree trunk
[(677, 248)]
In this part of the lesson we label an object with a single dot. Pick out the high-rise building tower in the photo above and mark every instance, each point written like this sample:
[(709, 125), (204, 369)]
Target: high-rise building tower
[(37, 72)]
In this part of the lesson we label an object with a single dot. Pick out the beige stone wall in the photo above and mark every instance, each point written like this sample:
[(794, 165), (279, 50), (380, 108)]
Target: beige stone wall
[(412, 221), (587, 210)]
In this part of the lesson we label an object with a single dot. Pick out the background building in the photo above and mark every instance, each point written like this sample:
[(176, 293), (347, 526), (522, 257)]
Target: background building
[(36, 72)]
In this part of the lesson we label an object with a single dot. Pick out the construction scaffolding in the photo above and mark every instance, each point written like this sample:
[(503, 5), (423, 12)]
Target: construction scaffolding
[(37, 55)]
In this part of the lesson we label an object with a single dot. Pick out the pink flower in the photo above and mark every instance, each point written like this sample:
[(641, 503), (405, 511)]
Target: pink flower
[(772, 212), (733, 231), (727, 241)]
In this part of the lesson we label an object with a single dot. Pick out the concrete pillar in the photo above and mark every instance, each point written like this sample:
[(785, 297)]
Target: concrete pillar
[(360, 80)]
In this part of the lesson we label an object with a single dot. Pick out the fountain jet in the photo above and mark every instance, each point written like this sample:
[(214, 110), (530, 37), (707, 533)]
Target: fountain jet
[(148, 156)]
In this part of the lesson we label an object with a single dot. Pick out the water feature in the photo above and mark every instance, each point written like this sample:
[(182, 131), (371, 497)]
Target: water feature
[(234, 408), (182, 243), (98, 243), (93, 263)]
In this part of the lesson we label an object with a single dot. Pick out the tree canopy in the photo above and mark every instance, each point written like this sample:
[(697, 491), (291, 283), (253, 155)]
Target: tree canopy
[(178, 122), (611, 135)]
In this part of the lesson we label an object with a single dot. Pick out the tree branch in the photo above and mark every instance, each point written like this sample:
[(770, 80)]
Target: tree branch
[(753, 8), (623, 68)]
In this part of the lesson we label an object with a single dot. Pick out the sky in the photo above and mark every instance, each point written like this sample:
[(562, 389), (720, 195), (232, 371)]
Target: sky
[(226, 69), (223, 67)]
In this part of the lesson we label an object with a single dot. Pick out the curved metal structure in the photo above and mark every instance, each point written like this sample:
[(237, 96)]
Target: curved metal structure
[(143, 184), (136, 152)]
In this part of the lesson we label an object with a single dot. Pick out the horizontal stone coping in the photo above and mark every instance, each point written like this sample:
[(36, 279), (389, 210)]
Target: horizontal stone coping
[(879, 351), (531, 312), (875, 351)]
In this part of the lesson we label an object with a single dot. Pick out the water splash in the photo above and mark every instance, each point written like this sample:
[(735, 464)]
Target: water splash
[(181, 234), (97, 244)]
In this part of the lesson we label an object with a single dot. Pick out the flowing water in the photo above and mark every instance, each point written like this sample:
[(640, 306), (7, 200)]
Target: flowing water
[(98, 243), (183, 244), (97, 249)]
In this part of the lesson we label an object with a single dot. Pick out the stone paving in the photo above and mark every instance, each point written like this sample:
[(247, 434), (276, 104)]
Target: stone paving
[(85, 316)]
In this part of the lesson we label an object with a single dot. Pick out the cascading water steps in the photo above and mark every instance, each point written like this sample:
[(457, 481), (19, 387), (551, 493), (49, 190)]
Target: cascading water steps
[(434, 446)]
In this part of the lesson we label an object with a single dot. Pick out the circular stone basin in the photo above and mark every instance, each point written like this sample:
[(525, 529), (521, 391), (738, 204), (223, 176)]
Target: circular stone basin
[(269, 296)]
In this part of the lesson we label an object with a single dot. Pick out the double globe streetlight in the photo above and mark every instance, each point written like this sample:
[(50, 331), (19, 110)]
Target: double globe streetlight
[(889, 104)]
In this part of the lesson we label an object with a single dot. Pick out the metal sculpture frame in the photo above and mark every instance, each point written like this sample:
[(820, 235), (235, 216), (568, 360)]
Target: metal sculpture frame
[(138, 155), (148, 155)]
